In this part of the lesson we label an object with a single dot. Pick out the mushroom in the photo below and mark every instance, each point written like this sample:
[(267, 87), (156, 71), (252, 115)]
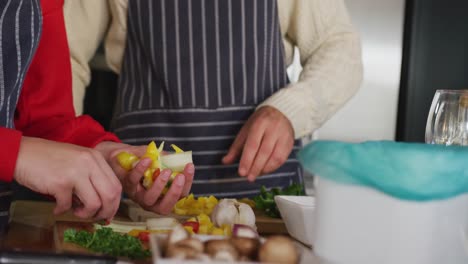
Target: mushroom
[(221, 250), (278, 249), (181, 252), (177, 234), (239, 230), (191, 243), (247, 247), (189, 248)]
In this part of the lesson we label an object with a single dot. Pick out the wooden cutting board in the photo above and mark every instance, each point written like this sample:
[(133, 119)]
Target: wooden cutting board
[(265, 225)]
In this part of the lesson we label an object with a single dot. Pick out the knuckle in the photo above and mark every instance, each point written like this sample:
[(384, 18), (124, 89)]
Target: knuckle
[(148, 201), (173, 195), (86, 156), (94, 206), (251, 147), (118, 191), (111, 197), (114, 197), (277, 160), (164, 210), (264, 151)]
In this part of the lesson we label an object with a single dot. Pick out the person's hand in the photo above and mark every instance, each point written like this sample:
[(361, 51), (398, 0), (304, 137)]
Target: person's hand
[(64, 170), (264, 143), (151, 199)]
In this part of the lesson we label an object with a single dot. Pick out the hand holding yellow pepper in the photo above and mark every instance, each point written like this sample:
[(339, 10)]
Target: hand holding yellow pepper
[(176, 162)]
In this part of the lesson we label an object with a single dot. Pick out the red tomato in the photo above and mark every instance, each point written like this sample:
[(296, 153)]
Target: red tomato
[(193, 224), (143, 236)]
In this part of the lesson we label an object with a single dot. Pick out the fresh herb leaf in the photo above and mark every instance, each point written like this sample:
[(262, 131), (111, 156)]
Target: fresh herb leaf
[(108, 242), (266, 200)]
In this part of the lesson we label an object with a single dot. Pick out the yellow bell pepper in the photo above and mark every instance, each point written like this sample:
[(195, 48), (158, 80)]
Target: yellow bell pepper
[(227, 229), (126, 160), (135, 232), (248, 201), (195, 206), (206, 227), (189, 229), (217, 232), (176, 148)]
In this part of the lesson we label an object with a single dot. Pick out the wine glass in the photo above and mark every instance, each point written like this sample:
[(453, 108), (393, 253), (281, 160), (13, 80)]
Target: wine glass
[(447, 122)]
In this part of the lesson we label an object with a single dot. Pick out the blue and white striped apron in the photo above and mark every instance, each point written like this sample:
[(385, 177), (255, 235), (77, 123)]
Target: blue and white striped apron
[(20, 26), (193, 73)]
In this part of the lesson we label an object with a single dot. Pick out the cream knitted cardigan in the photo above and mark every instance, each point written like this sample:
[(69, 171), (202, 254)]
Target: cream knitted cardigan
[(329, 49)]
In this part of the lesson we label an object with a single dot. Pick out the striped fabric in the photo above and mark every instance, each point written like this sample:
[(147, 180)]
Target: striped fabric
[(193, 73), (20, 26)]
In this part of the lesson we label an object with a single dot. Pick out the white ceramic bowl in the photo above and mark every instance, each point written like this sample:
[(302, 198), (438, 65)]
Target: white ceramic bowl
[(356, 224), (298, 215)]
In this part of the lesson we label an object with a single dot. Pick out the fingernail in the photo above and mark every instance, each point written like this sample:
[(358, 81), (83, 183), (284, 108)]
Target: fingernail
[(165, 175), (251, 178), (146, 162), (180, 181), (242, 171), (191, 169)]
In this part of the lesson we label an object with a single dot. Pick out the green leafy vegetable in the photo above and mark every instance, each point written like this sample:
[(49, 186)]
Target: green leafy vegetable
[(108, 242), (266, 200)]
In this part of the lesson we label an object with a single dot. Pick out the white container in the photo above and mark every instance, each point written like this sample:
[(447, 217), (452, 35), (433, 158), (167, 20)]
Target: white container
[(298, 215), (355, 224)]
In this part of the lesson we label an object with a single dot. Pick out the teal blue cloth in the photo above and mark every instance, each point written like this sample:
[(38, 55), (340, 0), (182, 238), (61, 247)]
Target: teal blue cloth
[(410, 171)]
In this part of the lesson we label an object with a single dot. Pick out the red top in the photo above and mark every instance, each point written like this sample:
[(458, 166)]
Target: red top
[(45, 107)]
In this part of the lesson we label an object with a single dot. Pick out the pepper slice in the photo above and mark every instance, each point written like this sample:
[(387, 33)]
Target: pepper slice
[(176, 148), (126, 160), (194, 225)]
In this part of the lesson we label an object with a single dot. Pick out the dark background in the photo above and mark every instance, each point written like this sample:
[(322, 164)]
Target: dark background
[(435, 56)]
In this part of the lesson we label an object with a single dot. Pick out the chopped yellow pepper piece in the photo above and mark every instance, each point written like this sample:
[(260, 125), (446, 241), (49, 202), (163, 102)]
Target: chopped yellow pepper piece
[(248, 201), (195, 206), (189, 229), (176, 148), (126, 160), (135, 232), (217, 232)]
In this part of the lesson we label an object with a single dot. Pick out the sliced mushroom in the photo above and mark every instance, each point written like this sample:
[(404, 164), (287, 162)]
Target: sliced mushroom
[(193, 243), (247, 247), (177, 234), (239, 230), (278, 249), (221, 250), (181, 252)]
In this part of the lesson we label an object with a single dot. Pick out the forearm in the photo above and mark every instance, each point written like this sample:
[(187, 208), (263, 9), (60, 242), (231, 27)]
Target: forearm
[(331, 57), (10, 141), (329, 79)]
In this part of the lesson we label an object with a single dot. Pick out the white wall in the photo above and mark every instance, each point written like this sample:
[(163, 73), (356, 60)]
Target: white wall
[(371, 114)]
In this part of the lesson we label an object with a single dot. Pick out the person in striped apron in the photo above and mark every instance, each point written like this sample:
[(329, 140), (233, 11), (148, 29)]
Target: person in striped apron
[(210, 76), (36, 111)]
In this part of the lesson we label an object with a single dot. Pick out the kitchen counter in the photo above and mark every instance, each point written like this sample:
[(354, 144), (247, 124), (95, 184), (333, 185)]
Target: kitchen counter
[(32, 224)]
